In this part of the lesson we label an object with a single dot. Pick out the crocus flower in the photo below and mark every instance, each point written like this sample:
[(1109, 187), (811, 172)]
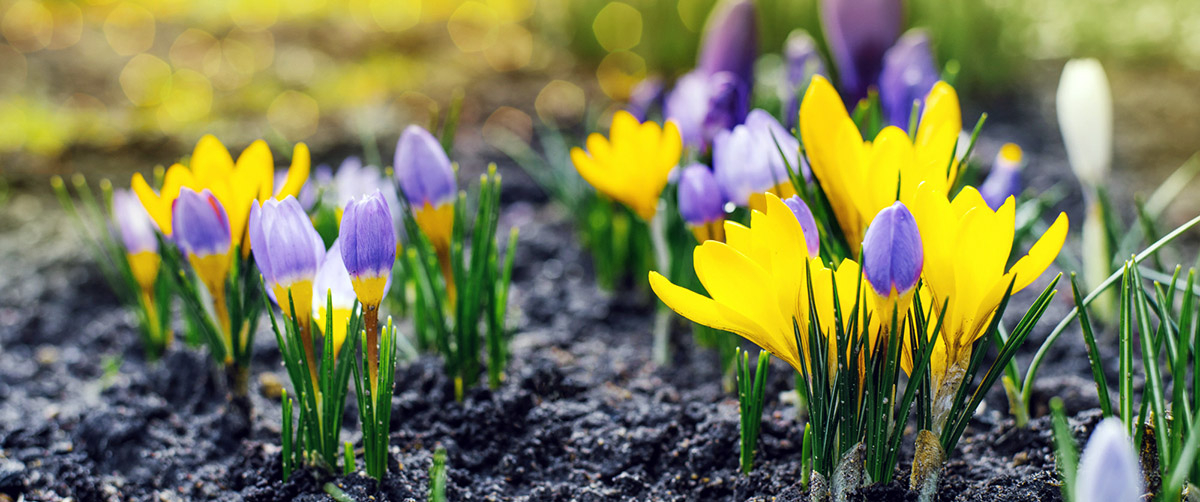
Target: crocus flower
[(812, 238), (136, 230), (646, 95), (803, 62), (201, 230), (1109, 468), (861, 177), (333, 284), (909, 73), (353, 179), (966, 247), (892, 259), (288, 252), (1004, 180), (631, 166), (235, 185), (1084, 104), (701, 105), (701, 203), (748, 162), (858, 33), (368, 246), (759, 294), (427, 178), (730, 41)]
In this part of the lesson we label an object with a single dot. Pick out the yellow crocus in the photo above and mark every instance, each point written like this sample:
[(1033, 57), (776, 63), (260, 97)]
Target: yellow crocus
[(235, 184), (631, 166), (758, 284), (967, 246), (860, 177)]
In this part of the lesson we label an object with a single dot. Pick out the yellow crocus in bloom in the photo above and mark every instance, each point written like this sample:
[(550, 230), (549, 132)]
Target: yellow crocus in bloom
[(758, 284), (967, 246), (860, 177), (235, 184), (632, 165)]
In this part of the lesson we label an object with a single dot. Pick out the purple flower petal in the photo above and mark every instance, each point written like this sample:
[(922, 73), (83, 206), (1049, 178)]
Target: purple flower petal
[(700, 199), (134, 225), (812, 237), (858, 33), (368, 238), (892, 253), (423, 169), (201, 226), (909, 73)]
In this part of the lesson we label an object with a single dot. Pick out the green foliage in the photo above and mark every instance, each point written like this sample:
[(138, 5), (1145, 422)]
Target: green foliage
[(751, 389), (322, 397), (375, 399), (437, 476), (482, 285), (1066, 454)]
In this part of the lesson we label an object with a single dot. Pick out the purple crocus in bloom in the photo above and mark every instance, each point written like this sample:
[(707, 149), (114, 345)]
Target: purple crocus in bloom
[(1109, 468), (909, 73), (1004, 180), (892, 258), (812, 236), (368, 245), (201, 230), (803, 61), (730, 41), (747, 160), (134, 225), (858, 33), (423, 169), (646, 95), (701, 203), (288, 251)]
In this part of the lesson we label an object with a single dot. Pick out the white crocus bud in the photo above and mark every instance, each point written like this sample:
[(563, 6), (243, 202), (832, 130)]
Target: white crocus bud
[(1085, 117), (1109, 468)]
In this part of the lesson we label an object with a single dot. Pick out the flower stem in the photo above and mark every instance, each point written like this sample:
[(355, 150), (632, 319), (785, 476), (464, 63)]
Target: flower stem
[(371, 326), (662, 259)]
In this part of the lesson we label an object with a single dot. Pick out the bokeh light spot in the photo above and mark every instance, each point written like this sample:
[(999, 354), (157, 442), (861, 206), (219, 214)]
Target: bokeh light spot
[(513, 48), (146, 80), (560, 103), (507, 125), (512, 11), (189, 99), (15, 68), (68, 25), (618, 27), (294, 115), (254, 15), (197, 50), (619, 72), (473, 27), (395, 15), (692, 13), (28, 25), (129, 29)]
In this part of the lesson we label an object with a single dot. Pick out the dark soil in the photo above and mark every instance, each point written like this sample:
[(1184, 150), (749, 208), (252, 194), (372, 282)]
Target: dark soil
[(584, 414)]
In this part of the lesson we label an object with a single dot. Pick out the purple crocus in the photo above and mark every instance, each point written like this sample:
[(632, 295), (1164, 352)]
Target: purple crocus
[(368, 245), (201, 230), (288, 252), (701, 203), (423, 169), (747, 160), (353, 179), (909, 73), (812, 236), (138, 237), (1109, 468), (893, 258), (803, 61), (858, 33), (1004, 180), (730, 41), (715, 96)]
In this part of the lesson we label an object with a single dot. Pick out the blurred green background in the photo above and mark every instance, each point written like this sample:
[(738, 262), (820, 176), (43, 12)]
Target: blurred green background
[(134, 82)]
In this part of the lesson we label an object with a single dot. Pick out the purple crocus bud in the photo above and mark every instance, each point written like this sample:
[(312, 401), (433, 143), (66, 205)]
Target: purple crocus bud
[(201, 230), (812, 237), (858, 33), (747, 160), (423, 169), (368, 243), (646, 95), (909, 73), (1004, 180), (137, 234), (1109, 469), (333, 285), (726, 105), (730, 41), (803, 61), (288, 251), (701, 203), (892, 257)]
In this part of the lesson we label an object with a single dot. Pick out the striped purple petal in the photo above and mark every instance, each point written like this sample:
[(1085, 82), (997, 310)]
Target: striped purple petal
[(367, 237), (423, 169), (201, 226), (892, 253)]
